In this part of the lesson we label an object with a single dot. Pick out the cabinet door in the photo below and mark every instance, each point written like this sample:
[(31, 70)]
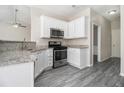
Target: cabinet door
[(48, 58), (83, 26), (39, 64), (60, 25), (71, 29), (69, 55), (84, 58), (76, 28), (74, 56), (42, 61), (65, 29), (46, 23), (80, 27), (37, 69), (55, 23)]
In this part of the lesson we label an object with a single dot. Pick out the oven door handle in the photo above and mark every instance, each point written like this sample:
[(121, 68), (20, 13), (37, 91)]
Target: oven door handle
[(64, 50), (60, 50)]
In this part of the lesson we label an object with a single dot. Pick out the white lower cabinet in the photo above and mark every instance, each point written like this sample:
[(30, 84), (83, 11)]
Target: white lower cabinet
[(43, 59), (77, 57), (39, 63), (49, 57)]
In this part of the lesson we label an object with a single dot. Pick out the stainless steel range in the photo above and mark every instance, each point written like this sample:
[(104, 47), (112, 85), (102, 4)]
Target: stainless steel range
[(59, 53)]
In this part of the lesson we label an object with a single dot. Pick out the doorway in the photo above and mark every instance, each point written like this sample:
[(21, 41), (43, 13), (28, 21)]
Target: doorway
[(96, 43)]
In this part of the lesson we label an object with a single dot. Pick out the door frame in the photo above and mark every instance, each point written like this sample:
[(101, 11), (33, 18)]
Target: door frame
[(99, 42)]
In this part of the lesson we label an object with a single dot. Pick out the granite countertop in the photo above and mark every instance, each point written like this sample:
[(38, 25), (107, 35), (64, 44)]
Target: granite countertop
[(39, 48), (19, 56), (78, 46), (7, 41), (15, 57), (24, 56)]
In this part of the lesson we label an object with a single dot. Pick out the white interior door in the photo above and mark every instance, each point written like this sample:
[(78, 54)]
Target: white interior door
[(116, 43)]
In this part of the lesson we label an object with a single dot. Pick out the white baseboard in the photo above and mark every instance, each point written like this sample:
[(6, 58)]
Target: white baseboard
[(74, 65), (122, 74), (90, 65), (45, 69), (116, 56), (80, 67), (104, 59)]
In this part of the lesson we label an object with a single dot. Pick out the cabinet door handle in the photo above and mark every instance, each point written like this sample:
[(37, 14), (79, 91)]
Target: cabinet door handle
[(36, 59)]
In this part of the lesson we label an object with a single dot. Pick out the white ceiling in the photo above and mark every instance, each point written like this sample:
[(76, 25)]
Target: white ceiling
[(63, 11), (67, 11), (103, 10)]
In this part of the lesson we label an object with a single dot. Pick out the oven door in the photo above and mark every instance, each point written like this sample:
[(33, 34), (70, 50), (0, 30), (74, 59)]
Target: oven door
[(60, 57), (60, 54)]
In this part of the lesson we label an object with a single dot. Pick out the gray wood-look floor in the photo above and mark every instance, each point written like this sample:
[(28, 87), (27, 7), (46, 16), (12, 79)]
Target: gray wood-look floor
[(104, 74)]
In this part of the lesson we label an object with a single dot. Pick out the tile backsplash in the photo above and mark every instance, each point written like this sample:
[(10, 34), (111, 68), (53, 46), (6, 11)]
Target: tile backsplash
[(15, 45)]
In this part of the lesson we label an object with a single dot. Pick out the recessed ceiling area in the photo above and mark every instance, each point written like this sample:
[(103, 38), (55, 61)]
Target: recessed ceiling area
[(103, 10), (67, 11), (62, 11)]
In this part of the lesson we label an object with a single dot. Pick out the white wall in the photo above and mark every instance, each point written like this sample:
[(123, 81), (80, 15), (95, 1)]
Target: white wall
[(122, 40), (105, 34), (115, 28), (7, 14), (7, 32)]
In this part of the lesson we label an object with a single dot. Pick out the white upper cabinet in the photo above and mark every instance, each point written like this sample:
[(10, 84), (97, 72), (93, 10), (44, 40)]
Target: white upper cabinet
[(45, 26), (77, 28), (80, 27), (49, 22), (73, 29)]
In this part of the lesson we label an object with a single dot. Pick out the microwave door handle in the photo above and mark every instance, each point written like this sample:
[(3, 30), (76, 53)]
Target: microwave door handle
[(63, 33), (60, 50)]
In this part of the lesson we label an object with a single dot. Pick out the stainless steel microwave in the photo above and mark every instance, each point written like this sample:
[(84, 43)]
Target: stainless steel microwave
[(56, 33)]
